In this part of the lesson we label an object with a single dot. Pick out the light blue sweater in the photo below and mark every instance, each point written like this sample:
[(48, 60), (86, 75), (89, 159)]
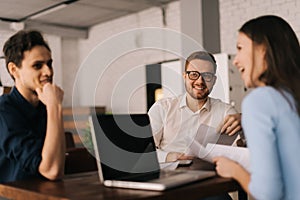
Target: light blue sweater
[(272, 128)]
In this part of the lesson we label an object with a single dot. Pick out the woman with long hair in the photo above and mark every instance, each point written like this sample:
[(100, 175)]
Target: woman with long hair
[(268, 58)]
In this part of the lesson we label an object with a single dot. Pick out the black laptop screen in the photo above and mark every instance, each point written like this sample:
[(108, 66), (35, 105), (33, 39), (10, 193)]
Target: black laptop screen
[(125, 145)]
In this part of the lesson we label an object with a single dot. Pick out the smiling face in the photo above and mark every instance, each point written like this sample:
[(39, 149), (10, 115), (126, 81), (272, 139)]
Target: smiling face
[(199, 89), (250, 61), (34, 72)]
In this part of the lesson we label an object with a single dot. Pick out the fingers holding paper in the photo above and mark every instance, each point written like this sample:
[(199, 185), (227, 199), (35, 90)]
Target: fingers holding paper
[(173, 156), (225, 167), (230, 169), (231, 124)]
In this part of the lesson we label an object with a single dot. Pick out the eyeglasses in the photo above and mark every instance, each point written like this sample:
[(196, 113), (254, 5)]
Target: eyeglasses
[(194, 75)]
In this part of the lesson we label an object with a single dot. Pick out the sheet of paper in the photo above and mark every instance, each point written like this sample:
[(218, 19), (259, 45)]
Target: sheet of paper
[(207, 134), (169, 165), (240, 155)]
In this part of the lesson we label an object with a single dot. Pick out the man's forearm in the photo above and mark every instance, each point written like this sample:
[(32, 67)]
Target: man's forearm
[(53, 153)]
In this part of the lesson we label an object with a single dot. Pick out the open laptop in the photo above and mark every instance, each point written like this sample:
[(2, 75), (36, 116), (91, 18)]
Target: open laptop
[(126, 155)]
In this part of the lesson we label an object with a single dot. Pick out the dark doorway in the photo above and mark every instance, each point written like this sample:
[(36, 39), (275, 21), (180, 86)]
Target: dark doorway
[(153, 82)]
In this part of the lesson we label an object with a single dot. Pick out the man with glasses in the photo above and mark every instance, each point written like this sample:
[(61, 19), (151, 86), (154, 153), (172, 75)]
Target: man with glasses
[(175, 119)]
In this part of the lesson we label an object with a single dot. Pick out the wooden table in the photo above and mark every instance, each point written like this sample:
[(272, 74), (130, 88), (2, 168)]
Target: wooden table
[(87, 186)]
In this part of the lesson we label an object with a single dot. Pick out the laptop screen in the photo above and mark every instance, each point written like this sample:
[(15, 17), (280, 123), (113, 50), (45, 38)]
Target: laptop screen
[(125, 146)]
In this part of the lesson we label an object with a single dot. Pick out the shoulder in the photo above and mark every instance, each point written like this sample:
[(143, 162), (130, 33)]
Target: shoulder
[(214, 101), (169, 101), (164, 105), (8, 113), (9, 108), (262, 96), (5, 102), (266, 101), (260, 92), (218, 104)]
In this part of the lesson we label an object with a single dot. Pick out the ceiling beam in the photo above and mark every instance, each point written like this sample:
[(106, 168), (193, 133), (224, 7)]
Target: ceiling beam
[(53, 29), (48, 10), (4, 26)]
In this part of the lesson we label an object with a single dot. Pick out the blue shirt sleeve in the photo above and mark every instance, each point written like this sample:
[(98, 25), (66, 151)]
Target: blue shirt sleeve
[(22, 134), (259, 121), (20, 146)]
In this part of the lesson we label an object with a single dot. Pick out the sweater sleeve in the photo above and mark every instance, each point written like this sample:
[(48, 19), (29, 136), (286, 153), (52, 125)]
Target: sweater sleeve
[(259, 123)]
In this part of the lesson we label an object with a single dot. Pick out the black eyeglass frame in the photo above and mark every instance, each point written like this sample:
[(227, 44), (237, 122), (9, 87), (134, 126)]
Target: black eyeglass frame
[(207, 76)]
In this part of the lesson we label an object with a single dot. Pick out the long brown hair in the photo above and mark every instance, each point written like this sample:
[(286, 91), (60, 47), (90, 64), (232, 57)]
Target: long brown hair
[(282, 53)]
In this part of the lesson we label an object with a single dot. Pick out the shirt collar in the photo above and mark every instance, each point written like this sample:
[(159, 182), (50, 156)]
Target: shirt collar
[(206, 106), (183, 101), (22, 104)]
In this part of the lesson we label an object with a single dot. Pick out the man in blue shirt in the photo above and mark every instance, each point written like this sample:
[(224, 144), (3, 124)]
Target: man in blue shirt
[(32, 142)]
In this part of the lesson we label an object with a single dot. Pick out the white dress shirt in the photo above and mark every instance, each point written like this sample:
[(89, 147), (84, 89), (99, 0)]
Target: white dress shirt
[(173, 122)]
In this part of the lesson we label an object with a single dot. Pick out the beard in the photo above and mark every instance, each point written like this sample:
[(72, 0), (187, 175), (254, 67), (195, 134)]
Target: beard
[(201, 94)]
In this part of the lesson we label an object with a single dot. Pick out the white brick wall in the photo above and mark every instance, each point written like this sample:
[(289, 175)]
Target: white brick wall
[(233, 13), (149, 18), (115, 72), (4, 75), (70, 65)]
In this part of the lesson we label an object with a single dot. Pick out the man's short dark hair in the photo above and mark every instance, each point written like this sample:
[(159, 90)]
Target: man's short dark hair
[(23, 40), (202, 55)]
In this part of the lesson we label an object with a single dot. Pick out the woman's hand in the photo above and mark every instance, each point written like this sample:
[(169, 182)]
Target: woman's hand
[(225, 167)]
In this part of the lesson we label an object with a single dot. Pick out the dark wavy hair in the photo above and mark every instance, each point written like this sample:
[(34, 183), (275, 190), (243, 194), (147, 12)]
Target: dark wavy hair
[(282, 53), (15, 46)]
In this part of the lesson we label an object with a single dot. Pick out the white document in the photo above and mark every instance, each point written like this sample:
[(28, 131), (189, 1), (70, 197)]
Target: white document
[(169, 165), (240, 155), (208, 134)]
